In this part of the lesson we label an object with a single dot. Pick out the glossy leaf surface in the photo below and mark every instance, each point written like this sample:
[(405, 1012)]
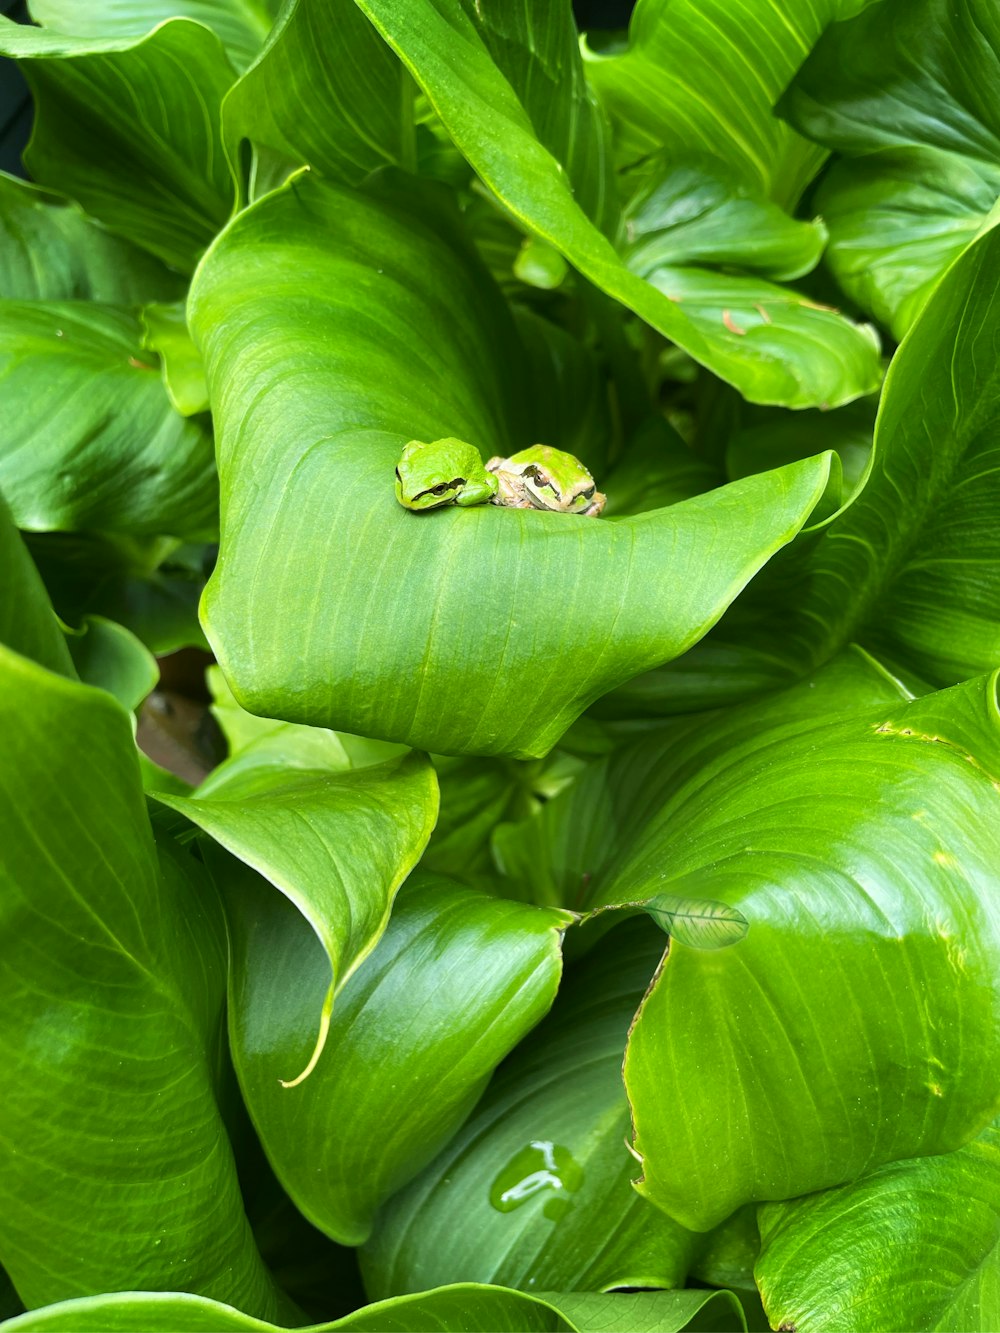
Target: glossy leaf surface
[(337, 844), (117, 1169), (487, 119), (462, 1309), (51, 251), (540, 1174), (456, 981), (912, 1245), (829, 816), (703, 76), (242, 25), (157, 174), (91, 439), (908, 93), (348, 377), (326, 92)]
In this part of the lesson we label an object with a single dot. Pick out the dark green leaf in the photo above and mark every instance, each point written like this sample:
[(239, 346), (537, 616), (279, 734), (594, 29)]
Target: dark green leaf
[(480, 106), (129, 127), (51, 251), (701, 76), (456, 981), (27, 622), (241, 24), (540, 1176), (91, 439), (117, 1170), (326, 91)]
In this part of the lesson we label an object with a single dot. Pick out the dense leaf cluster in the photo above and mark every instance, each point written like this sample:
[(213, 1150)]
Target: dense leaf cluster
[(593, 923)]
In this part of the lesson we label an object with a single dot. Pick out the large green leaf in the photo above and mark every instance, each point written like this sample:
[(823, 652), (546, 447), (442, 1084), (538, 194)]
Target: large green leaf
[(897, 219), (242, 25), (911, 568), (51, 251), (912, 1245), (363, 320), (117, 1171), (454, 984), (702, 76), (328, 92), (540, 1176), (448, 50), (336, 843), (129, 127), (854, 831), (27, 622), (91, 439), (908, 92), (468, 1308)]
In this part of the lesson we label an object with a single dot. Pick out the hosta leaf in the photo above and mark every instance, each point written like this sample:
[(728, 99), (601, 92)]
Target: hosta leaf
[(91, 439), (703, 76), (242, 25), (326, 91), (116, 1167), (455, 982), (27, 622), (368, 322), (481, 106), (468, 1308), (852, 830), (540, 1174), (51, 251), (897, 219), (912, 1245), (336, 843), (155, 172), (911, 568), (909, 91), (697, 211)]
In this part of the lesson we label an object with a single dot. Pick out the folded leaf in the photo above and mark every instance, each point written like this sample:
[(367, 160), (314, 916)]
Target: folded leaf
[(462, 1309), (326, 92), (116, 1169), (91, 439), (452, 986), (241, 25), (366, 322), (912, 1245), (110, 656), (28, 624), (540, 1174), (129, 127), (336, 843)]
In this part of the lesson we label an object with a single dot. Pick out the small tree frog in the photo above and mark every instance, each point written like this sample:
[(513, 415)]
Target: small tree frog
[(443, 472), (545, 478)]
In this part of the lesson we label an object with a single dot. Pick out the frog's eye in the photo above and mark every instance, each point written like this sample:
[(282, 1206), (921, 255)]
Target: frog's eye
[(588, 494), (443, 489)]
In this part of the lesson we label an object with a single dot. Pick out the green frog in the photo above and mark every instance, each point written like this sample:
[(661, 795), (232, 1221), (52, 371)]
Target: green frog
[(546, 478), (442, 472)]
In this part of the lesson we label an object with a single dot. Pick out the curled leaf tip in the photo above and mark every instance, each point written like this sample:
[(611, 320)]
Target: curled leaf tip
[(324, 1031)]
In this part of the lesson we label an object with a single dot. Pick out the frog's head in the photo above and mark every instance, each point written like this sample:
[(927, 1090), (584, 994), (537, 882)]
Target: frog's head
[(442, 472), (553, 479)]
